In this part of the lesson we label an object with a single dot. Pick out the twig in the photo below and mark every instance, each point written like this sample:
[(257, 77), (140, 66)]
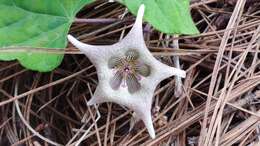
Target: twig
[(94, 121), (178, 83), (26, 123)]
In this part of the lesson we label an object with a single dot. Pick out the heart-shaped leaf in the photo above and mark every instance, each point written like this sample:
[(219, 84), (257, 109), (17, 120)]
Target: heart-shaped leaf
[(36, 23), (168, 16)]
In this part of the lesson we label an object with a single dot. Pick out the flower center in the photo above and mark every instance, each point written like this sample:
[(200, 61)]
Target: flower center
[(128, 70)]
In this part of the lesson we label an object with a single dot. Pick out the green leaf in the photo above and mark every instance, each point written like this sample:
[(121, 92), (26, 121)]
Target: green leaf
[(36, 23), (168, 16)]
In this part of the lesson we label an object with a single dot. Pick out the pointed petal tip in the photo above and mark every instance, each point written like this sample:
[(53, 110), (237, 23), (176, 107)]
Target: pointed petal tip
[(71, 38), (81, 46), (91, 102), (141, 9), (140, 12), (182, 74), (139, 17), (178, 72), (97, 98), (152, 135), (147, 119), (74, 41), (151, 132)]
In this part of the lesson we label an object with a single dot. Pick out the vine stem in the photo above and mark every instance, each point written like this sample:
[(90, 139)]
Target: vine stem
[(96, 20)]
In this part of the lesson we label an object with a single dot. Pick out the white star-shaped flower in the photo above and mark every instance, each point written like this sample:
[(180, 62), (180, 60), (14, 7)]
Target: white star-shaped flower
[(127, 72)]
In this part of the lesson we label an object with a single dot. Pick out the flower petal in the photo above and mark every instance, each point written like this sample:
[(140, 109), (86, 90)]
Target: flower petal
[(132, 83), (139, 18), (98, 97), (95, 54), (114, 62), (135, 35), (147, 119), (143, 69), (131, 55), (143, 113), (116, 81), (86, 48)]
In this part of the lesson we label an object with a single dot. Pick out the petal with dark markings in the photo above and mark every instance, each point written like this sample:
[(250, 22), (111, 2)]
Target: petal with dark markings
[(143, 69), (114, 62), (116, 80), (132, 83), (131, 55)]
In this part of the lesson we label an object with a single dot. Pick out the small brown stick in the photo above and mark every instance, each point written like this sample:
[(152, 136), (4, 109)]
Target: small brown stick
[(178, 83), (27, 124), (43, 87)]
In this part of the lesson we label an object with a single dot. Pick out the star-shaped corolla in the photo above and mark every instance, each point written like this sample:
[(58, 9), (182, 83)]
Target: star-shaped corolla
[(127, 72)]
